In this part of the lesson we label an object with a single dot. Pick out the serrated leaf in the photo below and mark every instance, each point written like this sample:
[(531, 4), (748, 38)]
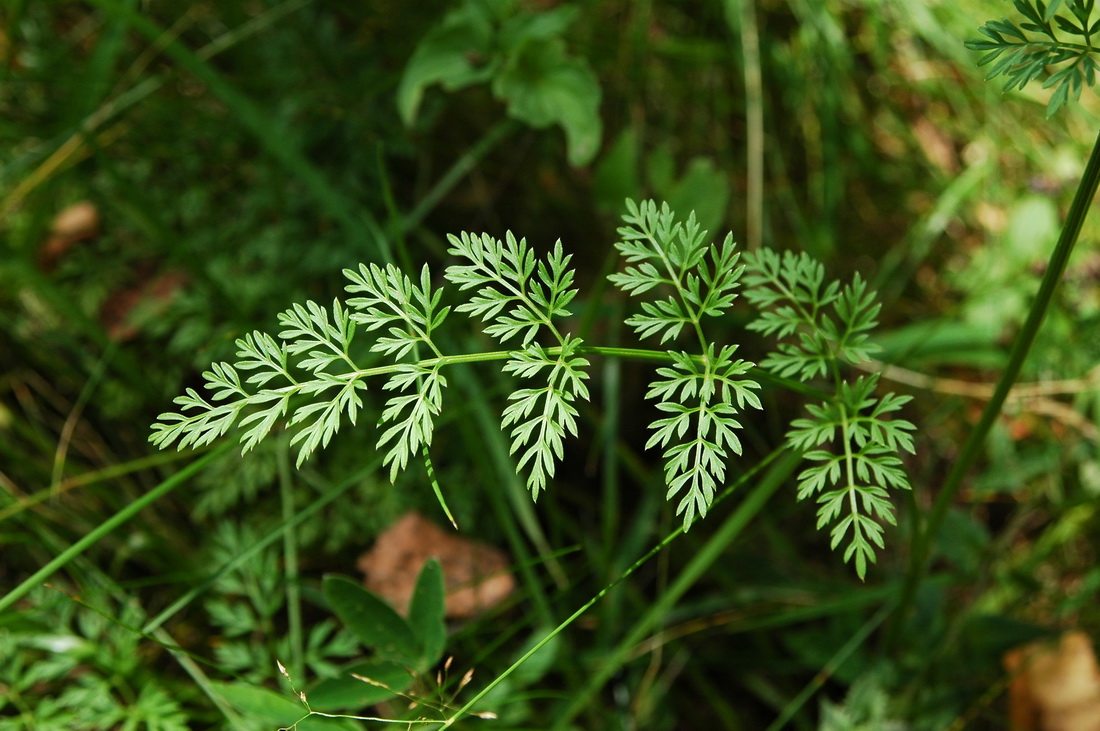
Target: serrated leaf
[(701, 434), (1022, 58), (540, 418)]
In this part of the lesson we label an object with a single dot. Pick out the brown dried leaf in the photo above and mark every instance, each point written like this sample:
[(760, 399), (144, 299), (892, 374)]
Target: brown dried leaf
[(125, 312), (1055, 687), (73, 223), (475, 575)]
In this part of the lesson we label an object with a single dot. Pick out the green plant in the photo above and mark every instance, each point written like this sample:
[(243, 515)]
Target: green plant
[(401, 652), (1021, 57), (310, 377), (853, 119), (854, 479), (522, 55), (1024, 339), (62, 666)]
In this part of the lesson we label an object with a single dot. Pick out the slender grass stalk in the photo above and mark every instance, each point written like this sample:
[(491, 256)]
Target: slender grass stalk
[(785, 463), (359, 225), (510, 501), (609, 459), (89, 478), (743, 13), (299, 517), (74, 415), (110, 524), (838, 658), (290, 568), (755, 500), (976, 440), (457, 171)]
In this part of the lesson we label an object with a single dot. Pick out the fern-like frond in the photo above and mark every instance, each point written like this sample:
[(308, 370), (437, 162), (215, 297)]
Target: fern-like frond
[(1023, 52), (312, 361), (852, 480), (519, 296), (390, 298), (822, 327), (700, 435), (412, 414), (510, 298), (540, 418), (819, 325), (307, 377), (663, 252), (320, 420)]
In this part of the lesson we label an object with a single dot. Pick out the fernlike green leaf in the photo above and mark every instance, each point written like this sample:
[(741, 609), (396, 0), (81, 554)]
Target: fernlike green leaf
[(412, 414), (540, 418), (1023, 58), (389, 298), (700, 435)]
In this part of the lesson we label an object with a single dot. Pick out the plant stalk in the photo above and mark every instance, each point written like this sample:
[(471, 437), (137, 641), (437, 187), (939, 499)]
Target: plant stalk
[(733, 525), (922, 544), (110, 524)]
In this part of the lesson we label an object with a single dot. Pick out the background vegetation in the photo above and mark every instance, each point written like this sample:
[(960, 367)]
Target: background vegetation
[(235, 156)]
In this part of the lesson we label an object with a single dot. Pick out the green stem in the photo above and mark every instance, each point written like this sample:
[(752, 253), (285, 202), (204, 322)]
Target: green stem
[(290, 570), (89, 478), (838, 659), (329, 494), (450, 179), (109, 525), (975, 441), (656, 356), (734, 524), (741, 16), (785, 463), (358, 223)]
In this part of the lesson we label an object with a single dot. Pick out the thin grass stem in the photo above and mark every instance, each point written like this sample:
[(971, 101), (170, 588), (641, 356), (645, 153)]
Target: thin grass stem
[(785, 463), (109, 525), (290, 564), (925, 537)]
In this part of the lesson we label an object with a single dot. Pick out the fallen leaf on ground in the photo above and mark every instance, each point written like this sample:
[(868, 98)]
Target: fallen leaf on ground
[(1055, 687), (125, 311), (475, 575), (73, 223)]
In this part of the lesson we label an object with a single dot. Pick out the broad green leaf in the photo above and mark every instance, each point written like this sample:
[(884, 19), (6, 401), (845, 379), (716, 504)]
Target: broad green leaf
[(616, 175), (525, 27), (426, 613), (456, 54), (373, 621), (543, 86)]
